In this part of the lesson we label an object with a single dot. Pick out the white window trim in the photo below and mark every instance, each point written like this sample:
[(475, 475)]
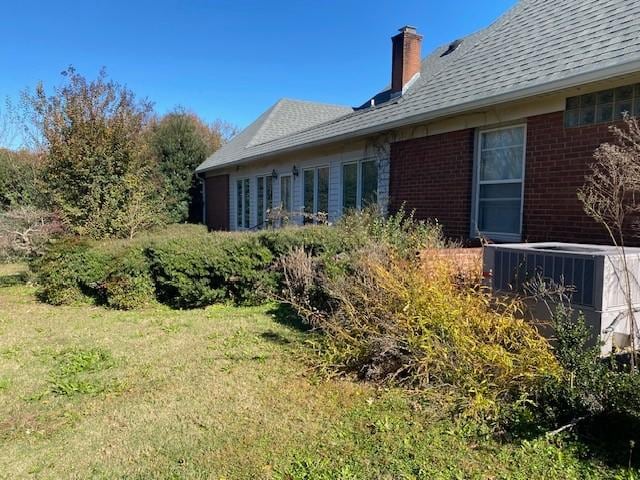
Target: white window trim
[(240, 208), (475, 210), (358, 181)]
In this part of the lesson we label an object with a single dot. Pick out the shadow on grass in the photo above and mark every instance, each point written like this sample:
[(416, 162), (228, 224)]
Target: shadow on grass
[(612, 439), (607, 438), (275, 337), (287, 316), (13, 279)]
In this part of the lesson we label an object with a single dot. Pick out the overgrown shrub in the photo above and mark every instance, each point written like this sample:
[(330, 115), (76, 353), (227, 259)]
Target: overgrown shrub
[(589, 386), (184, 270), (25, 232), (74, 270), (400, 231), (96, 172), (388, 321)]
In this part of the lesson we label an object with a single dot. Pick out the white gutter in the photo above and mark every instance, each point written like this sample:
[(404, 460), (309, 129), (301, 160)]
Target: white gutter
[(631, 66)]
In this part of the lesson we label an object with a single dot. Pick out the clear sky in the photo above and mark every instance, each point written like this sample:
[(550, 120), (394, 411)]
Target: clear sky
[(228, 59)]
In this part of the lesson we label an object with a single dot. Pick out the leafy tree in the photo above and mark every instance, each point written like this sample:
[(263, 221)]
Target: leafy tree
[(19, 176), (180, 142), (9, 123), (97, 169)]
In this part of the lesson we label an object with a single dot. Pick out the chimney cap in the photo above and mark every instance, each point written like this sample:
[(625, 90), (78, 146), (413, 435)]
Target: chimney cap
[(408, 29)]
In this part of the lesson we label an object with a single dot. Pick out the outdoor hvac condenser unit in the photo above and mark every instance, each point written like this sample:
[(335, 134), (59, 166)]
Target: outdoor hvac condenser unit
[(595, 273)]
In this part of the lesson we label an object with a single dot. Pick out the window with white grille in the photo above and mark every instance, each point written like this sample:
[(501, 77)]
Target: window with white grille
[(500, 179)]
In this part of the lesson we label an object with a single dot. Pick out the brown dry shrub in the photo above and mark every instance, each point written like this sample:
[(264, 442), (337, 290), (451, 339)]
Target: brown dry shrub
[(25, 231), (390, 321)]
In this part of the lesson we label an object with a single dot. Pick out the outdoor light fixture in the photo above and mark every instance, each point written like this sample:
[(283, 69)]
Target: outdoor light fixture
[(295, 171), (274, 174)]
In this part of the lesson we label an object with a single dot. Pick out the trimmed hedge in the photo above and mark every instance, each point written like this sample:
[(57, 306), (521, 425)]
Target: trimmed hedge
[(70, 271), (129, 284), (204, 270), (184, 266), (315, 239), (187, 268)]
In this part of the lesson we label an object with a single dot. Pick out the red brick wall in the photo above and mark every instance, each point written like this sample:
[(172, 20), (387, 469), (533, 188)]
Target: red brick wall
[(217, 202), (557, 161), (434, 175)]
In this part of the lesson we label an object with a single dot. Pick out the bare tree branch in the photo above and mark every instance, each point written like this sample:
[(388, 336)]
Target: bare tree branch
[(611, 196)]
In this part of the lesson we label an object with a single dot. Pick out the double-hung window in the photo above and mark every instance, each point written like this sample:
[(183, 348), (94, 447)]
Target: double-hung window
[(243, 203), (500, 180), (359, 184), (316, 193), (264, 199)]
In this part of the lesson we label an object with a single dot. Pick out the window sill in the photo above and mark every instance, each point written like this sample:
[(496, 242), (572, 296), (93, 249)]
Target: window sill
[(500, 237)]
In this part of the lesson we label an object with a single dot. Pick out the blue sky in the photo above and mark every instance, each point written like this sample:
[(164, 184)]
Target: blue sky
[(225, 59)]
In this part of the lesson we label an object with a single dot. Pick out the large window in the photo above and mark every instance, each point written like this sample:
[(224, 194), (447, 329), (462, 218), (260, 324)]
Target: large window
[(359, 184), (243, 203), (500, 174), (264, 199), (316, 193), (286, 193), (602, 107)]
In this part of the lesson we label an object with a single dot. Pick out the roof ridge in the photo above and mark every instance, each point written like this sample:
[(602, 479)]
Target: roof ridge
[(312, 127), (268, 130), (334, 120), (274, 108), (313, 102)]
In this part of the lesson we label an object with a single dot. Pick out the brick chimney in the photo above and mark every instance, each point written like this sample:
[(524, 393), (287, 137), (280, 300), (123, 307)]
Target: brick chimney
[(406, 57)]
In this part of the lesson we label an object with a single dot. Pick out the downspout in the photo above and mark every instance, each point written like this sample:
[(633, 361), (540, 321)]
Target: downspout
[(204, 198)]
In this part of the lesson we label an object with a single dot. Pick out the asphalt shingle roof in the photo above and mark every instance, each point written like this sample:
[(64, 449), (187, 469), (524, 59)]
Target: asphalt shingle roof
[(282, 119), (533, 45)]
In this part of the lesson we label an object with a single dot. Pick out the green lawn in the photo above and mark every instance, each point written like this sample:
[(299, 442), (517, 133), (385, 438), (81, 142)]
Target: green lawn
[(222, 392)]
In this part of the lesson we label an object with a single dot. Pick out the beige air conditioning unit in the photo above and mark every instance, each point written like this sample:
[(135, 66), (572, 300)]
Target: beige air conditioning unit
[(595, 273)]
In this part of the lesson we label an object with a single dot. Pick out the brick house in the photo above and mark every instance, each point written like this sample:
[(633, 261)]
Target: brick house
[(491, 134)]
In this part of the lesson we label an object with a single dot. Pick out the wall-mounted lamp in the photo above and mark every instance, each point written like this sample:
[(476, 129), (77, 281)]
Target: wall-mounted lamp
[(295, 171), (274, 174)]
